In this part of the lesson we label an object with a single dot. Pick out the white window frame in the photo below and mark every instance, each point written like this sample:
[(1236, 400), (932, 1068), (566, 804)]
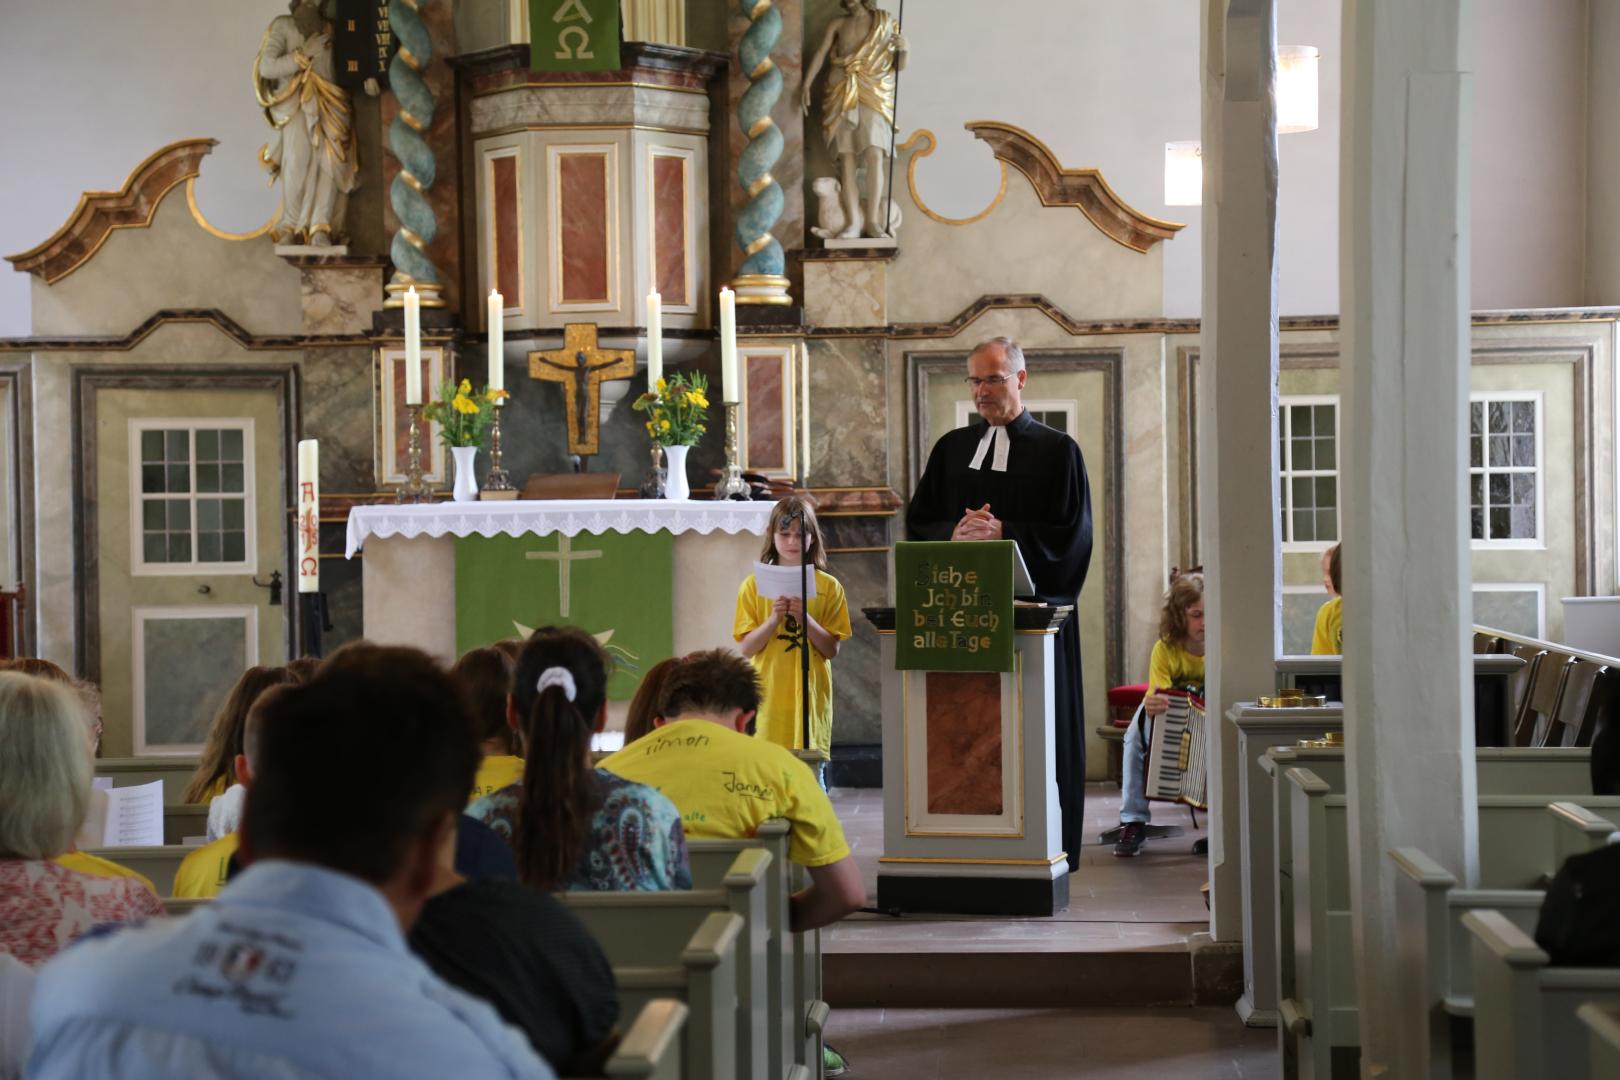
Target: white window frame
[(138, 566), (965, 412), (140, 616), (1285, 473), (1539, 541)]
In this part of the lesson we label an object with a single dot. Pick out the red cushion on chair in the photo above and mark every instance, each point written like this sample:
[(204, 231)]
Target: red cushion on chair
[(1127, 696)]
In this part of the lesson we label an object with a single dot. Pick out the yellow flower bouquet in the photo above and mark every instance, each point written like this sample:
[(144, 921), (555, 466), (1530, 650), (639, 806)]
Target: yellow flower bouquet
[(464, 417), (677, 410)]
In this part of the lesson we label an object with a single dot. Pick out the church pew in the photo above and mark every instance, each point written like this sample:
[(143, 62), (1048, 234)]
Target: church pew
[(1495, 701), (175, 773), (184, 820), (634, 926), (158, 864), (710, 861), (1525, 1023), (651, 1047), (1603, 1024), (183, 905), (699, 970)]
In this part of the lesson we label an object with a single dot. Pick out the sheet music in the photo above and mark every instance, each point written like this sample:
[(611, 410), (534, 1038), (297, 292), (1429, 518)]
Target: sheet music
[(773, 581), (134, 816), (101, 783)]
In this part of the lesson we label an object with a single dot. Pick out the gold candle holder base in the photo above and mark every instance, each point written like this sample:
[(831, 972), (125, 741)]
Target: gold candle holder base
[(415, 489), (731, 484), (655, 484), (497, 484)]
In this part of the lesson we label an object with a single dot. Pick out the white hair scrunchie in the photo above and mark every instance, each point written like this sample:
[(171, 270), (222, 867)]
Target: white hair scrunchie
[(559, 677)]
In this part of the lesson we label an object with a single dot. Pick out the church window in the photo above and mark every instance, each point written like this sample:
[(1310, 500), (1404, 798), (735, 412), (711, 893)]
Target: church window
[(192, 496), (1504, 470), (1308, 453)]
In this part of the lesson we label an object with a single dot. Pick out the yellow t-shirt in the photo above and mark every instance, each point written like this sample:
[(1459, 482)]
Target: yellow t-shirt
[(1171, 667), (726, 784), (497, 771), (1328, 637), (96, 866), (202, 873), (779, 719)]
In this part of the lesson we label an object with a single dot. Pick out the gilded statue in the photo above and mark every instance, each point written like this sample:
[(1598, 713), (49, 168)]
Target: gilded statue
[(865, 50), (312, 150)]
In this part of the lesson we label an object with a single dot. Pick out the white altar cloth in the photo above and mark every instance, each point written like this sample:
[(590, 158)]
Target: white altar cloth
[(544, 517)]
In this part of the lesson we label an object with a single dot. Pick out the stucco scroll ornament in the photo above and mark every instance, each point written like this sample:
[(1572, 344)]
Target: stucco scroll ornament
[(865, 51), (312, 150)]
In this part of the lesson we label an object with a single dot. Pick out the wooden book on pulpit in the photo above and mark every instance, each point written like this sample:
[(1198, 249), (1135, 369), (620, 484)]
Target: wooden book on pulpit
[(601, 485)]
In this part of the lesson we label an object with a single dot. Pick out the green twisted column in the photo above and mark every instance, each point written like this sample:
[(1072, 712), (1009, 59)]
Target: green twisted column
[(418, 225), (762, 268)]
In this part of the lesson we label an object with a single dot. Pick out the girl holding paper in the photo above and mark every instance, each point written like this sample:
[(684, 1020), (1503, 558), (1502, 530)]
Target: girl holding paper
[(771, 627)]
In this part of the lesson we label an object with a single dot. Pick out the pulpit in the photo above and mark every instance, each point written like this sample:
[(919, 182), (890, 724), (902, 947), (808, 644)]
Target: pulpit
[(652, 578), (970, 806)]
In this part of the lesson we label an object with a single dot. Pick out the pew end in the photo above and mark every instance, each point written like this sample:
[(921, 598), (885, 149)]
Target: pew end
[(650, 1050), (1603, 1024)]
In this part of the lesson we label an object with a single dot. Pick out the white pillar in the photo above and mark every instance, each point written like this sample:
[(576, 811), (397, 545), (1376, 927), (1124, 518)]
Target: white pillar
[(1408, 686), (1237, 408)]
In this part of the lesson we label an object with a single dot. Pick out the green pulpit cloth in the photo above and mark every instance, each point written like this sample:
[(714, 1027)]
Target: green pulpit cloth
[(617, 583), (574, 35), (954, 605)]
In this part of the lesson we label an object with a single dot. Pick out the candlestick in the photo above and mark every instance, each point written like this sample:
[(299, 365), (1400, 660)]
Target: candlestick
[(731, 484), (655, 340), (728, 346), (308, 530), (413, 347), (497, 341), (497, 485), (653, 484), (415, 489)]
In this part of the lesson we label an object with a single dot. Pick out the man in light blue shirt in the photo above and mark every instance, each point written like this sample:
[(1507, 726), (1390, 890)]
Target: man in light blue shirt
[(300, 967)]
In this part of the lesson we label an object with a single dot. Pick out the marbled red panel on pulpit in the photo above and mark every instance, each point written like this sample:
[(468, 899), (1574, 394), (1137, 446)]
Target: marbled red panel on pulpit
[(582, 227), (964, 742), (765, 393), (506, 227), (669, 183)]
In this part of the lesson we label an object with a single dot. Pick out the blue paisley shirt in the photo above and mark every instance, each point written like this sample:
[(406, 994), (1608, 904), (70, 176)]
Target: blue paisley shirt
[(636, 841)]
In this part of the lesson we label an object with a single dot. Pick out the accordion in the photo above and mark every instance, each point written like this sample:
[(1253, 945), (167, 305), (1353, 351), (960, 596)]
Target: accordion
[(1178, 762)]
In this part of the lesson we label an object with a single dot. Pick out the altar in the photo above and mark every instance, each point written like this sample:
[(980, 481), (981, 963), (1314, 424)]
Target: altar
[(653, 578)]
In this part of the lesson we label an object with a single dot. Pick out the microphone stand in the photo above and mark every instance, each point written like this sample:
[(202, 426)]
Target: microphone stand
[(804, 628)]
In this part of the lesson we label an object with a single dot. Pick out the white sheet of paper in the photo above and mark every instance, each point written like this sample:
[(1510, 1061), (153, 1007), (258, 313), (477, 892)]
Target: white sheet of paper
[(773, 581), (135, 816), (101, 783)]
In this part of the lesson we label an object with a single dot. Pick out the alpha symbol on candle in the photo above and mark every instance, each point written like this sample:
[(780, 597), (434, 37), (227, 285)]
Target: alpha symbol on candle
[(564, 556)]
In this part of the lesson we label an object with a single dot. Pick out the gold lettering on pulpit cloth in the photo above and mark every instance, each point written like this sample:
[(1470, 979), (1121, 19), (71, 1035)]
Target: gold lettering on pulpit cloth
[(581, 367), (564, 556)]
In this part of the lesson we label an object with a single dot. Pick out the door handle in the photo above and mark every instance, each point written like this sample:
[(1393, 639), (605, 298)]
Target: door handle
[(274, 585)]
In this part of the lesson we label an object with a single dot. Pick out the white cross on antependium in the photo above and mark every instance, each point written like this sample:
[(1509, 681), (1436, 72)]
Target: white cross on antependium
[(564, 556)]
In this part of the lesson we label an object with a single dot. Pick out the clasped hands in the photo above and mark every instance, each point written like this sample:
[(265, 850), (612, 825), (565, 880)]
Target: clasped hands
[(784, 606), (978, 524)]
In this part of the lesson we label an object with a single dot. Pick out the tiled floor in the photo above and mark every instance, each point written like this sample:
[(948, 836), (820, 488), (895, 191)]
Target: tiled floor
[(1034, 1044), (1148, 903)]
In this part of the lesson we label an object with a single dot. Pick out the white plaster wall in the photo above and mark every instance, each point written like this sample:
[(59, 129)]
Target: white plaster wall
[(1603, 155), (95, 87)]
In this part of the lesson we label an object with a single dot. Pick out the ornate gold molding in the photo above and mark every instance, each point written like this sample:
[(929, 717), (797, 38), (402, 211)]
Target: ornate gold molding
[(100, 212), (211, 230), (1083, 189), (911, 180)]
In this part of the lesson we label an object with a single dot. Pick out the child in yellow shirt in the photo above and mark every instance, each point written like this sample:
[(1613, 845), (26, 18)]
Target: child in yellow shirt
[(1328, 637)]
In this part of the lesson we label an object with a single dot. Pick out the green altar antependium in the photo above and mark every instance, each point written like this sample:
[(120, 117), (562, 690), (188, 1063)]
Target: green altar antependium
[(617, 583), (954, 605), (574, 35)]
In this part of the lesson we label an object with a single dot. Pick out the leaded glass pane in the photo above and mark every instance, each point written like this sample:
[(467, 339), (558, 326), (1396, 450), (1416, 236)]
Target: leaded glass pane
[(208, 514), (176, 446), (1524, 416), (1501, 489), (1326, 454), (154, 547), (234, 513), (179, 515), (207, 445), (230, 478), (151, 446), (208, 547), (1476, 491), (180, 547), (179, 478), (1304, 526), (1324, 420), (1476, 418), (1303, 457), (1501, 453), (1301, 419), (1326, 493), (1476, 523), (1476, 451), (207, 477), (230, 445), (1524, 522), (1501, 417), (1302, 493), (152, 479), (1501, 522), (1327, 525), (235, 546), (1524, 450), (152, 516)]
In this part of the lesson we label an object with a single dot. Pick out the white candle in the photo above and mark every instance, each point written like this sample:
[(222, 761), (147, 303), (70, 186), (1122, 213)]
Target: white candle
[(728, 346), (308, 528), (497, 342), (413, 347), (655, 340), (804, 411)]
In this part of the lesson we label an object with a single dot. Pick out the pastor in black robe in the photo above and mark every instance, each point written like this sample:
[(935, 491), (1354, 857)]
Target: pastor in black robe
[(1044, 503)]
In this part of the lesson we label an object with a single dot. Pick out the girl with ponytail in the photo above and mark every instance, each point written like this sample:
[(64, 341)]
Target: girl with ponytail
[(573, 826)]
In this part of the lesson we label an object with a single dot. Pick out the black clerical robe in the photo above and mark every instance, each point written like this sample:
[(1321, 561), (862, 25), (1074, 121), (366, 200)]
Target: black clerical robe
[(1044, 503)]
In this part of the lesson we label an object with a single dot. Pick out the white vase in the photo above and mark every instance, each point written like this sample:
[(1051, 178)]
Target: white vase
[(675, 486), (466, 485)]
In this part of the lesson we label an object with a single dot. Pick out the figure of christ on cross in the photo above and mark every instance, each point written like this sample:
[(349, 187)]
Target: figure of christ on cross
[(581, 367), (564, 557)]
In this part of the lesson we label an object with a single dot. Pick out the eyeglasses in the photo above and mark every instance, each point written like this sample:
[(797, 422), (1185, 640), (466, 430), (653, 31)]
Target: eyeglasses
[(993, 380)]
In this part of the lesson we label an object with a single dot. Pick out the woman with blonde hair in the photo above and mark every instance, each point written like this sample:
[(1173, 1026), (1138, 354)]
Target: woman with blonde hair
[(216, 770), (45, 770)]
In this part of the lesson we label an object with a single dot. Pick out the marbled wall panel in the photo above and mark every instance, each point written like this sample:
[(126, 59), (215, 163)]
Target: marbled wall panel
[(336, 405), (670, 182), (340, 300), (508, 240), (586, 105), (583, 234), (857, 673), (846, 292), (766, 448), (964, 742), (849, 412)]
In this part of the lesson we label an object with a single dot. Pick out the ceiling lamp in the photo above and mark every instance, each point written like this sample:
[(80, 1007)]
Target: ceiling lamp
[(1183, 173), (1296, 88)]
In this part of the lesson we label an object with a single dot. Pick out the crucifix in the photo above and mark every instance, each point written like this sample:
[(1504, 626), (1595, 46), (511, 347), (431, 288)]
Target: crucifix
[(564, 557), (581, 367)]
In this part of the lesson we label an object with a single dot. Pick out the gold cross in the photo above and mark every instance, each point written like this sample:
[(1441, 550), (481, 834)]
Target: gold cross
[(581, 367)]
